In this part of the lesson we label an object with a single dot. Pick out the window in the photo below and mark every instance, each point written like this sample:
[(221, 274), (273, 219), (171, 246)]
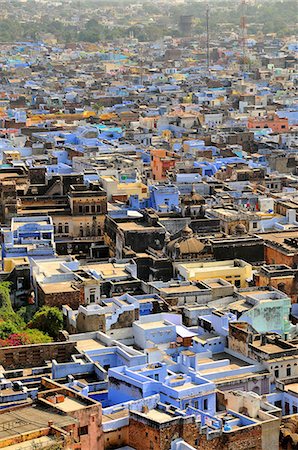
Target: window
[(92, 298), (238, 283), (156, 377), (283, 127), (20, 282), (288, 370), (196, 404), (93, 208), (66, 228), (83, 430), (60, 228), (295, 409), (80, 208), (87, 208), (98, 208), (255, 224), (205, 404), (276, 373)]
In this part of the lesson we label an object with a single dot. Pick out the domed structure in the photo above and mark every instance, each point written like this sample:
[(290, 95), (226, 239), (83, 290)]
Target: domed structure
[(240, 229), (193, 199), (187, 246), (187, 231), (191, 205)]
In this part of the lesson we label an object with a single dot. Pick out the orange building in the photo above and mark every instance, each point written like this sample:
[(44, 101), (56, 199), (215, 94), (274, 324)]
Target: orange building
[(274, 122), (161, 162)]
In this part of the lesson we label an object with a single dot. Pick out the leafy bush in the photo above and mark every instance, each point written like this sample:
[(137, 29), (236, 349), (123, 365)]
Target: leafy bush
[(7, 328), (49, 320), (13, 329), (37, 336)]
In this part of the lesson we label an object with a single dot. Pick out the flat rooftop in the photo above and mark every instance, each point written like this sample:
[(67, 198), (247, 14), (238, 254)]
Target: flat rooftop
[(215, 284), (157, 416), (149, 325), (61, 286), (17, 225), (293, 387), (135, 226), (231, 358), (50, 266), (268, 348), (89, 344), (108, 270), (39, 443), (211, 266), (188, 289), (115, 415), (29, 419), (70, 404), (279, 237)]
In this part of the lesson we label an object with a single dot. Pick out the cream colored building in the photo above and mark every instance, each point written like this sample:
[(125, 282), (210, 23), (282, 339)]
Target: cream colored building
[(236, 271)]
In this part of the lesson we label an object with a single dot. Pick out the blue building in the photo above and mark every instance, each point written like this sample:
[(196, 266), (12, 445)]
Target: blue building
[(179, 390), (162, 198), (29, 236)]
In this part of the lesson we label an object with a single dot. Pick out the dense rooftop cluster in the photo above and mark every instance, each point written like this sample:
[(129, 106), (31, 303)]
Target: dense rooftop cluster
[(149, 241)]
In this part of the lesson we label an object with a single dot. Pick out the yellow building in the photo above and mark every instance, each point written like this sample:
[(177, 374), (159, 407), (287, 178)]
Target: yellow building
[(122, 191), (236, 271), (10, 263)]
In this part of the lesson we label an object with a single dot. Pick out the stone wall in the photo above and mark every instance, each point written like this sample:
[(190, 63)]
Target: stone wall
[(73, 298), (35, 355), (145, 434)]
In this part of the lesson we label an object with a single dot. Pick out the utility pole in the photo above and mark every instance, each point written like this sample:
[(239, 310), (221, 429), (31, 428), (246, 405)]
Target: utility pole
[(207, 39)]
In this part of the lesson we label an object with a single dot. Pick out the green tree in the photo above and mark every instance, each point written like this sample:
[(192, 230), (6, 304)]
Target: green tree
[(7, 328), (48, 319), (6, 310), (37, 337)]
